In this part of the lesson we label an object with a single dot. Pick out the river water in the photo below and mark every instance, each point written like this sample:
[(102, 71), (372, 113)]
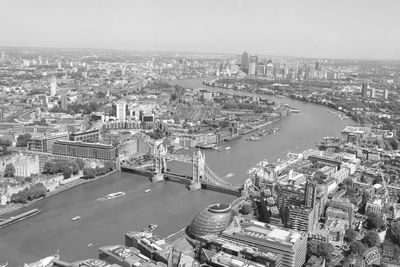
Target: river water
[(169, 205)]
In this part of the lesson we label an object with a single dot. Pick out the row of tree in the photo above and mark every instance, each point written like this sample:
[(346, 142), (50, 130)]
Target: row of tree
[(90, 173), (29, 193), (66, 167)]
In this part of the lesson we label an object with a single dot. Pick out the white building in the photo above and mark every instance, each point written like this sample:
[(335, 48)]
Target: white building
[(53, 87), (26, 165), (120, 110)]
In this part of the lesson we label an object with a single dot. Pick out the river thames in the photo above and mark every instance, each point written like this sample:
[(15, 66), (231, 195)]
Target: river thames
[(169, 205)]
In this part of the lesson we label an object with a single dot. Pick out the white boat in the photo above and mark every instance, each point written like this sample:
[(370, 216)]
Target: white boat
[(90, 245), (227, 148), (152, 226), (229, 175), (76, 218), (114, 195), (147, 190), (46, 262)]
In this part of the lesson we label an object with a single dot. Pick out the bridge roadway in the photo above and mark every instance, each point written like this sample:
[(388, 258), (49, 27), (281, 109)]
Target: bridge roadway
[(184, 179)]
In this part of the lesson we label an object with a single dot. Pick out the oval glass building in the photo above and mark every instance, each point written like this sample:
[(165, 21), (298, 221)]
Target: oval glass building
[(212, 220)]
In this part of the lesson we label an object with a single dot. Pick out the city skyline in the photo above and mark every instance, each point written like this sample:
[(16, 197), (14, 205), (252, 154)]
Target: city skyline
[(358, 29)]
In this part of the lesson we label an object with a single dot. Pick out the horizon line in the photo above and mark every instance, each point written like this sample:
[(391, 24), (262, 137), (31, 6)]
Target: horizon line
[(201, 53)]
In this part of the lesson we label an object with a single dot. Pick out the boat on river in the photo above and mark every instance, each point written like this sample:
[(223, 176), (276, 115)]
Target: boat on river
[(45, 262), (147, 190), (76, 218), (114, 195), (20, 217)]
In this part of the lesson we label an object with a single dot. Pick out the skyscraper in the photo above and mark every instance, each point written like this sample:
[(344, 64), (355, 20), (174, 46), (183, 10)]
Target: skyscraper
[(253, 65), (245, 62), (64, 102), (120, 107), (53, 86), (3, 55)]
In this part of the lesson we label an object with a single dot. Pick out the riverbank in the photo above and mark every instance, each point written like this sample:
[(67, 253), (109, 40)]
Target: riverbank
[(14, 206)]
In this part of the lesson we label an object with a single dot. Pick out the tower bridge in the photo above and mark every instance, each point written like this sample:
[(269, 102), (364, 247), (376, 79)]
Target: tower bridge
[(202, 175)]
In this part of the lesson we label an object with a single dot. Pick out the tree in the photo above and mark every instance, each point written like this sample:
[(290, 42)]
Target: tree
[(374, 221), (9, 170), (109, 165), (371, 239), (325, 250), (89, 173), (49, 167), (67, 171), (37, 191), (74, 167), (81, 163), (357, 247), (350, 235), (23, 139), (246, 209), (5, 142), (320, 249), (394, 232)]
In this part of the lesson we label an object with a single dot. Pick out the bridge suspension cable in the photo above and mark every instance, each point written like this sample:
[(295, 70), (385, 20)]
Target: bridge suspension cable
[(214, 178)]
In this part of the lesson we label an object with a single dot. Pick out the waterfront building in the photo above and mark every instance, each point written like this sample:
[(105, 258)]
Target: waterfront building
[(84, 150), (90, 136), (291, 244), (125, 256), (213, 244), (212, 220), (222, 259), (87, 263), (149, 244), (45, 143)]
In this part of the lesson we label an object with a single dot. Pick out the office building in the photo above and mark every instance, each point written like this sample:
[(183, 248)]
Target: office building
[(45, 143), (84, 150), (253, 65), (291, 244), (212, 244), (338, 206), (90, 136), (124, 256), (64, 102), (86, 263), (298, 206), (120, 110), (53, 86), (3, 56), (245, 62), (222, 259)]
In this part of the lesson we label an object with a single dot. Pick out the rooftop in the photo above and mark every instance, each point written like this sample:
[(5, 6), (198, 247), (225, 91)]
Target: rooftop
[(266, 232)]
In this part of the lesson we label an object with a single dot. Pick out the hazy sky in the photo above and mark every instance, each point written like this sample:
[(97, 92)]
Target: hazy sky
[(314, 28)]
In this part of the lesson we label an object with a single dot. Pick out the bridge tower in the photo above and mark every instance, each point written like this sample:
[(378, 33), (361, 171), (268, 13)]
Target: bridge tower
[(198, 170), (160, 163)]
